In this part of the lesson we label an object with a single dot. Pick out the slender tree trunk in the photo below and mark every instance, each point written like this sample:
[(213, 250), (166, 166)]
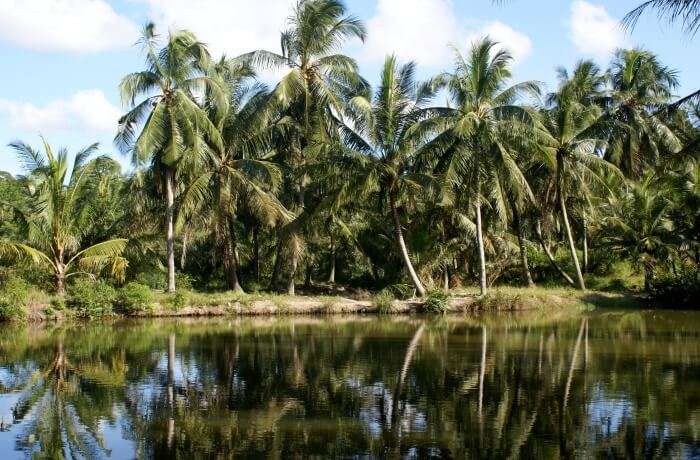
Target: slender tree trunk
[(292, 271), (274, 280), (404, 251), (309, 272), (572, 246), (527, 277), (446, 278), (550, 256), (648, 276), (480, 241), (331, 273), (183, 254), (585, 244), (170, 230), (231, 260), (256, 254)]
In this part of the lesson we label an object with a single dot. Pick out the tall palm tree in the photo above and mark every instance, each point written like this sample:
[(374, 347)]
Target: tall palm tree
[(313, 91), (480, 130), (377, 158), (174, 130), (640, 86), (242, 174), (568, 143), (57, 214)]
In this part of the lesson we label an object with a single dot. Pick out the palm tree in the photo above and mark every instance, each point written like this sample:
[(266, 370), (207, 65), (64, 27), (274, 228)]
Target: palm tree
[(639, 224), (378, 156), (314, 90), (57, 214), (685, 11), (567, 141), (174, 130), (242, 174), (481, 129), (640, 86)]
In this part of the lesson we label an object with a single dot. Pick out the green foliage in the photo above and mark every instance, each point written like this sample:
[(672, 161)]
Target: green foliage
[(384, 302), (14, 293), (680, 290), (135, 298), (178, 299), (91, 299), (499, 300), (436, 301), (400, 291)]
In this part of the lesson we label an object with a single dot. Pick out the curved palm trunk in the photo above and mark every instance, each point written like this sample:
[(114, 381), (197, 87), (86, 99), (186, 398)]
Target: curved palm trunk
[(408, 357), (527, 277), (480, 241), (256, 254), (170, 230), (404, 251), (292, 272), (550, 256), (274, 280), (572, 245)]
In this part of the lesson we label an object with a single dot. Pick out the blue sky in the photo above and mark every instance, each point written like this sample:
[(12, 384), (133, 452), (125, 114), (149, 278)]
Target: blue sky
[(63, 59)]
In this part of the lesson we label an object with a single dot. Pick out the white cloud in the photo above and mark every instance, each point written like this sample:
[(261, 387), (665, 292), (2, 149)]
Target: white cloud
[(86, 111), (81, 26), (518, 44), (593, 30), (422, 30), (227, 26)]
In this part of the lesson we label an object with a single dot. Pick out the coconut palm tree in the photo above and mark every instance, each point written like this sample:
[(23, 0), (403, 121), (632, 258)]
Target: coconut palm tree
[(242, 174), (377, 158), (312, 93), (640, 86), (639, 224), (687, 12), (57, 214), (480, 130), (568, 144), (175, 131)]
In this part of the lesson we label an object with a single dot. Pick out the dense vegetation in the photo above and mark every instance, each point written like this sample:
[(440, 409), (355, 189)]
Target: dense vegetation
[(323, 179)]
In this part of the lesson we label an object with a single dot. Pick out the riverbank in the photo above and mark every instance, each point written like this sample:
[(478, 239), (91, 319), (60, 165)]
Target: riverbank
[(506, 299)]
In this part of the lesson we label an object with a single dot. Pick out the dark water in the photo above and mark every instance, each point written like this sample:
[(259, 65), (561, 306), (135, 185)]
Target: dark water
[(610, 385)]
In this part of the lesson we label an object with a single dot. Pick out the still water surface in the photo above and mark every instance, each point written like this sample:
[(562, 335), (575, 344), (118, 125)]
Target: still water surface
[(609, 384)]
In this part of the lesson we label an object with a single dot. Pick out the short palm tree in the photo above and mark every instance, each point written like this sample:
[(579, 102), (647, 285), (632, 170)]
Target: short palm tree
[(174, 130), (480, 131), (639, 225), (57, 214), (379, 153)]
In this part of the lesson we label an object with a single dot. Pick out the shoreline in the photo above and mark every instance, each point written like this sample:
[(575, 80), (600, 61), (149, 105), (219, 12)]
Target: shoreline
[(242, 305)]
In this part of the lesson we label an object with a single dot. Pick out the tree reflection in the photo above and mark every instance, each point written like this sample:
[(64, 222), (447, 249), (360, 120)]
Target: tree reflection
[(606, 385)]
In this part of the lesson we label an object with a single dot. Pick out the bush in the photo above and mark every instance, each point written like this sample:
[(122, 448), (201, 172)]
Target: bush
[(178, 299), (679, 290), (135, 298), (384, 302), (436, 301), (91, 299), (400, 291), (13, 298)]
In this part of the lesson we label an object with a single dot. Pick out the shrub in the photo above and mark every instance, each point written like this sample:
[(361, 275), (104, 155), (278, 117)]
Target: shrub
[(178, 299), (400, 291), (135, 298), (498, 300), (384, 302), (91, 299), (13, 298), (436, 302), (677, 290)]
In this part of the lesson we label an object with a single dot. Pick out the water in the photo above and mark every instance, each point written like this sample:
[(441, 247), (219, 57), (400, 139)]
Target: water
[(610, 384)]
